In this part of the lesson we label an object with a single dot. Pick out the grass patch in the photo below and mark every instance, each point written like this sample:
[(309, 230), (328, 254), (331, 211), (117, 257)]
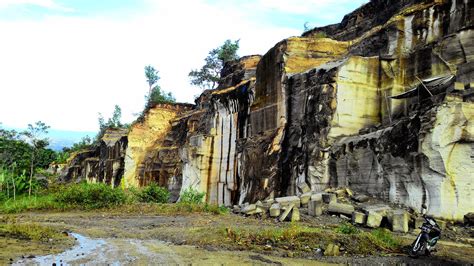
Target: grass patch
[(347, 229), (170, 208), (24, 203), (30, 231)]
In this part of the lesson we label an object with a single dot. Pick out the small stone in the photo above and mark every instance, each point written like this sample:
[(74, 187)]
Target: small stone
[(328, 251), (267, 247)]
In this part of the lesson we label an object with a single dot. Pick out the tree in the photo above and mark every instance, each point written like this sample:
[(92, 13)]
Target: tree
[(209, 75), (155, 93), (34, 135), (152, 77)]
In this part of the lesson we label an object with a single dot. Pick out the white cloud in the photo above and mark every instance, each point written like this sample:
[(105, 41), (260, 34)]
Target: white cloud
[(50, 4), (64, 70)]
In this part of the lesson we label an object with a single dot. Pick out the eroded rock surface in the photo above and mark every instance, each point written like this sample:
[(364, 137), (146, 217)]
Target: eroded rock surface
[(356, 104)]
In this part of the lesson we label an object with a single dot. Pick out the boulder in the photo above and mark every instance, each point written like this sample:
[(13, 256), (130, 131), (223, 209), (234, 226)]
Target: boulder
[(398, 219), (287, 201), (332, 250), (360, 198), (359, 217), (236, 209), (275, 210), (315, 207), (305, 198), (374, 219), (328, 197), (469, 218), (251, 209), (304, 188), (287, 211), (340, 208), (317, 196)]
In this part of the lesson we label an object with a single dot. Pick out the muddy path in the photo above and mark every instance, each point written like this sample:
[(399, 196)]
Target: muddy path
[(136, 238)]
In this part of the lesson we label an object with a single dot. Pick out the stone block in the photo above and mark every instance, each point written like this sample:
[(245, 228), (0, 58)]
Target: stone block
[(304, 188), (315, 208), (374, 219), (360, 198), (359, 217), (332, 250), (251, 209), (236, 209), (287, 201), (275, 210), (328, 197), (305, 198), (285, 214), (398, 219), (295, 214), (340, 208), (317, 196)]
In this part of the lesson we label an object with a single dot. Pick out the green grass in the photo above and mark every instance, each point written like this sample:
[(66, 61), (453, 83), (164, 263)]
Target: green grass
[(29, 231), (347, 228), (24, 203)]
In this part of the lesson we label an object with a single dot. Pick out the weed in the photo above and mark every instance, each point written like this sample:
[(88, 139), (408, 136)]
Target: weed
[(191, 195), (347, 229), (25, 203), (153, 193), (91, 196)]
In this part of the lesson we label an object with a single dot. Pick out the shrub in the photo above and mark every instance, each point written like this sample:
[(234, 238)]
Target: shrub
[(191, 195), (154, 193), (91, 196), (347, 228), (384, 238)]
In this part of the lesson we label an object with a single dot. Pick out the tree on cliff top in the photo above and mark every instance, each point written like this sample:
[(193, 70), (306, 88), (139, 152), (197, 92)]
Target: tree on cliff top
[(209, 75), (155, 93), (152, 77)]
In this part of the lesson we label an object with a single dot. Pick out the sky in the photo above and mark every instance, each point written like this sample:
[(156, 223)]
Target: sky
[(64, 61)]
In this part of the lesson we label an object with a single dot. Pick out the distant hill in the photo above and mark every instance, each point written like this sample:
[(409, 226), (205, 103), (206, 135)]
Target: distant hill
[(60, 138)]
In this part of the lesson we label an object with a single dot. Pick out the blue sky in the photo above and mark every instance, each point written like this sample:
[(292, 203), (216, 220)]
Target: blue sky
[(63, 61)]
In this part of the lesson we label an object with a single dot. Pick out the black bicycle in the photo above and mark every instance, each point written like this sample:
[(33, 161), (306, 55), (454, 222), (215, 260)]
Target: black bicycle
[(427, 238)]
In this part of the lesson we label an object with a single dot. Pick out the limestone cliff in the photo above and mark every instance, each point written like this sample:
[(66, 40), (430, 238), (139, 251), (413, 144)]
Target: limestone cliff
[(381, 102)]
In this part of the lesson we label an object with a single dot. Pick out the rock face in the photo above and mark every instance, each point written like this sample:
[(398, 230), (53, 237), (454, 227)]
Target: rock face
[(381, 103), (104, 163)]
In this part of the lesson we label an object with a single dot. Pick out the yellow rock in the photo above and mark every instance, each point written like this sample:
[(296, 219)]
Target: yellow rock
[(145, 137)]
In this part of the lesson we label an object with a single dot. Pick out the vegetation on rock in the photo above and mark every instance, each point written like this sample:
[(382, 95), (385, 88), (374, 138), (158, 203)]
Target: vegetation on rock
[(209, 75)]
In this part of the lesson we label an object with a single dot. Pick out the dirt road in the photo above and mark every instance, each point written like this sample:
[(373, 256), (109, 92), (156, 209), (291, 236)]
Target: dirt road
[(196, 238)]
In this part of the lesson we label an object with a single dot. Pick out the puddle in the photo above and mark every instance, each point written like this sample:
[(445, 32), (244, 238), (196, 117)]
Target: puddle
[(111, 251)]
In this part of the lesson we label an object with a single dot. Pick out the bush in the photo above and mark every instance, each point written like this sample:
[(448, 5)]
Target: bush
[(384, 238), (91, 196), (347, 229), (191, 195), (154, 193)]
